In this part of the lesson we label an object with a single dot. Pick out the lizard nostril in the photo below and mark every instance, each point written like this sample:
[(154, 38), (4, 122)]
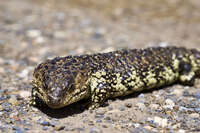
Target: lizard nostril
[(54, 101)]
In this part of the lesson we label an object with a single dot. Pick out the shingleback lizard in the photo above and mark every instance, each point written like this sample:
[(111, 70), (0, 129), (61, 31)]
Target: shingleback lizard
[(97, 77)]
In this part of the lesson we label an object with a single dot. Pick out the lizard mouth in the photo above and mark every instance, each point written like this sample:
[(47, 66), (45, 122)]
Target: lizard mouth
[(54, 102), (39, 99), (38, 96)]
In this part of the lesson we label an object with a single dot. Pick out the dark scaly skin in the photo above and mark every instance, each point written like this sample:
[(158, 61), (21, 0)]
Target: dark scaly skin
[(65, 80)]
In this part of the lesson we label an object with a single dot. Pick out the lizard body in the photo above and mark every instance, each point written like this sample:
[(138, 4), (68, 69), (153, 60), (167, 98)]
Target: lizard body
[(65, 80)]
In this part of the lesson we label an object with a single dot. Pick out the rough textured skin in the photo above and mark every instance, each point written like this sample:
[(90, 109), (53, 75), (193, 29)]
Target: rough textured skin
[(65, 80)]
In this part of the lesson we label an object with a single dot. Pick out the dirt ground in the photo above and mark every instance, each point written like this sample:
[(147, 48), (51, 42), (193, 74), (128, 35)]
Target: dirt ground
[(34, 30)]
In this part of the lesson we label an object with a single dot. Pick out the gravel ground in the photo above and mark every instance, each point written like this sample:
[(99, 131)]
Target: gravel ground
[(34, 30)]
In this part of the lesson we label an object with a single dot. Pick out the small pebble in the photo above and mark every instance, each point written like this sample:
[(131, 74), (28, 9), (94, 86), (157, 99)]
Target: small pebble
[(121, 108), (3, 98), (24, 74), (141, 95), (2, 70), (59, 128), (181, 108), (69, 129), (154, 106), (6, 107), (95, 130), (161, 122), (45, 123), (2, 60), (104, 126), (91, 123), (110, 108), (53, 122), (195, 115), (99, 121), (79, 129), (6, 104), (136, 125), (14, 114), (97, 35), (60, 34), (100, 111), (33, 33), (107, 118), (9, 19), (44, 128), (169, 104), (141, 106), (25, 94), (15, 127), (128, 105), (178, 92), (19, 131), (13, 100), (109, 49), (39, 40), (176, 126), (139, 130), (186, 93), (26, 129), (197, 95), (163, 44), (197, 110), (148, 127), (181, 131), (99, 116), (1, 113)]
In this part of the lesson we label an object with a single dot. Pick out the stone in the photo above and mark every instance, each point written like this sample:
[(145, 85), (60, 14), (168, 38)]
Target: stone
[(141, 106), (33, 33), (59, 128), (194, 115), (160, 121), (169, 104), (25, 94), (95, 130), (154, 106)]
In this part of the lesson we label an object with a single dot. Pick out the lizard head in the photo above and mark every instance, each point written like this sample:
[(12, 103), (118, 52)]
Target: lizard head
[(57, 83)]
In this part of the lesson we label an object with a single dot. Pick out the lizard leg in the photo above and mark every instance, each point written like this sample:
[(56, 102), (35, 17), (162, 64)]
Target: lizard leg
[(187, 76), (99, 93), (187, 79)]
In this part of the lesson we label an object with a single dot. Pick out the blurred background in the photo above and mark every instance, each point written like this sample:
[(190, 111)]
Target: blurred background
[(34, 30), (40, 29)]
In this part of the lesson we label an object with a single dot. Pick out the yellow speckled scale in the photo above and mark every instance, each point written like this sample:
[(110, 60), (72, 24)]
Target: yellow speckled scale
[(65, 80)]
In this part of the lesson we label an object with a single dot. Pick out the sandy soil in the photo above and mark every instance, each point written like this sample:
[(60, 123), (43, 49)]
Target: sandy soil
[(34, 30)]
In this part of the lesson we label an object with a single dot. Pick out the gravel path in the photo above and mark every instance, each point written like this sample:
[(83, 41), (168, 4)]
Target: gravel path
[(34, 30)]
